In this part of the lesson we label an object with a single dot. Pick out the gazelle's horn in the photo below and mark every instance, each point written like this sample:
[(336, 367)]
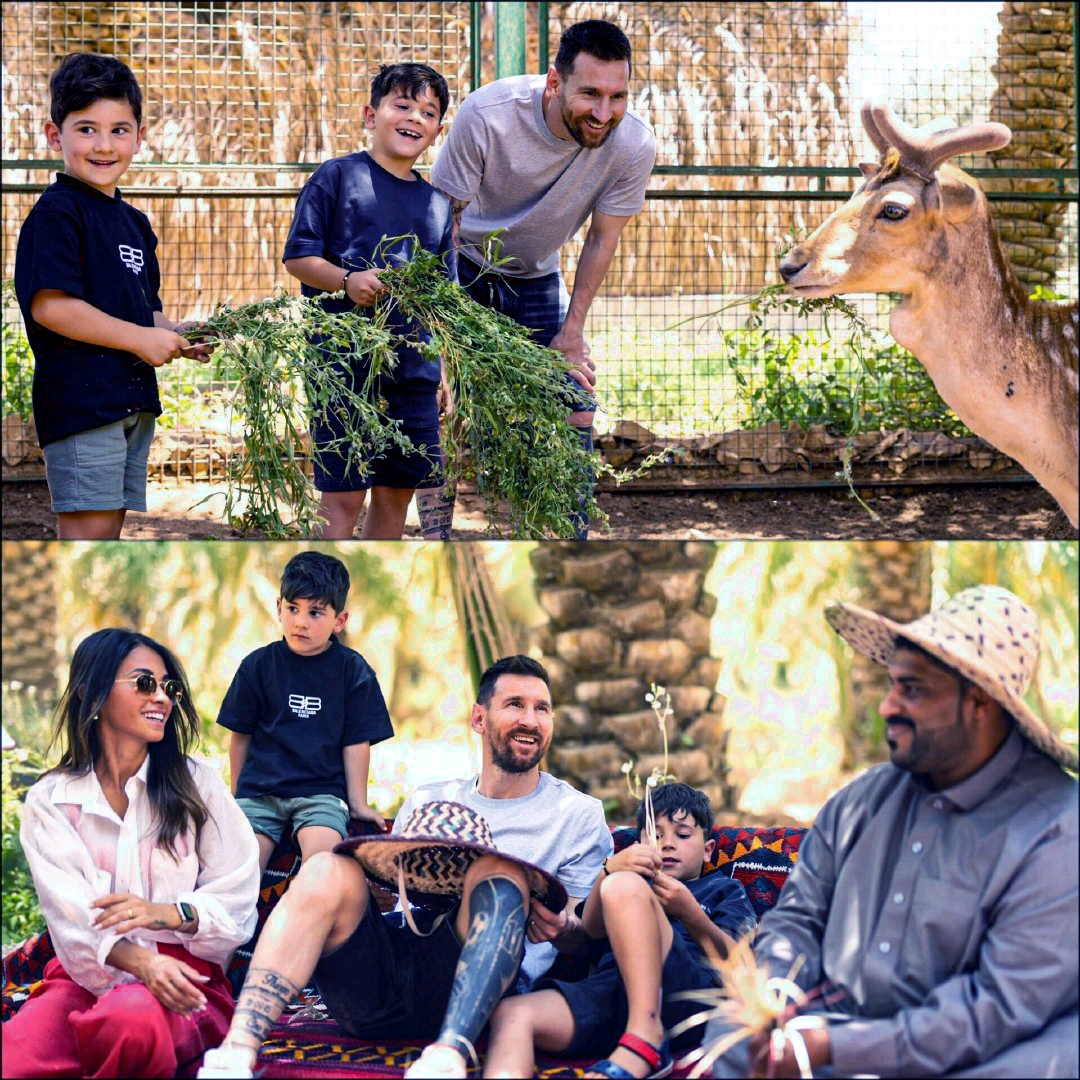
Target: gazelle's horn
[(881, 144), (922, 150)]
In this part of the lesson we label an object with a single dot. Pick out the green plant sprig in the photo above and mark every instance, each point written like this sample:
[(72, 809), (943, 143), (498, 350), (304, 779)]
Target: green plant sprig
[(860, 341), (276, 353)]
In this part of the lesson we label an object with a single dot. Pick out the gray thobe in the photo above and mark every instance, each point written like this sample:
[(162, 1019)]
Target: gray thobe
[(947, 920)]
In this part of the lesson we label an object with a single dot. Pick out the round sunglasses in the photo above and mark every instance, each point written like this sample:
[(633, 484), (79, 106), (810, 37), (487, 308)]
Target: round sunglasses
[(146, 684)]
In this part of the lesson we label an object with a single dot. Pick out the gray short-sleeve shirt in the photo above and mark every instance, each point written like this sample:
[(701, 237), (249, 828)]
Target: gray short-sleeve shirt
[(516, 175)]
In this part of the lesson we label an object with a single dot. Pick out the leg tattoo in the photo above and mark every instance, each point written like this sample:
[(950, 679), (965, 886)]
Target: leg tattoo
[(264, 997), (489, 959), (435, 509)]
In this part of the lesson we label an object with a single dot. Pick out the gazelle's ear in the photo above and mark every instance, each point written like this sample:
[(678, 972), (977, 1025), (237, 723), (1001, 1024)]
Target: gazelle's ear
[(959, 197), (868, 168)]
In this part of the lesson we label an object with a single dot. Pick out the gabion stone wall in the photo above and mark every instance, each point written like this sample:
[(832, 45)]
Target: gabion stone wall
[(623, 616)]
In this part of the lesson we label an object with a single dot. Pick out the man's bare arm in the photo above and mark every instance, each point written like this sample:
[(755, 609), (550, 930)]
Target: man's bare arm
[(457, 208)]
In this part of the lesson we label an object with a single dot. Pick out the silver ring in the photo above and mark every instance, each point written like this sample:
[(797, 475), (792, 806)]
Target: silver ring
[(131, 913)]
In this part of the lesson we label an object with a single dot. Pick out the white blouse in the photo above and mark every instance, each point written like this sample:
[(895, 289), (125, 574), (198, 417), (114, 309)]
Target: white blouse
[(79, 850)]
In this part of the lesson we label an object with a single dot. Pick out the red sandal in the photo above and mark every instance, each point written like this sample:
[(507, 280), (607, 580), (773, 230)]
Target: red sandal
[(658, 1058)]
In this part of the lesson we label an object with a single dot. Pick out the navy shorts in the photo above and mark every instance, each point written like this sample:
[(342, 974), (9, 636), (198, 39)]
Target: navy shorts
[(386, 982), (419, 416), (598, 1002), (538, 304)]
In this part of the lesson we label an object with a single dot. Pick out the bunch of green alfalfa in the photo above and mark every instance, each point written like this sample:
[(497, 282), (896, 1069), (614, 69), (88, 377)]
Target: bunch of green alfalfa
[(274, 354), (509, 401)]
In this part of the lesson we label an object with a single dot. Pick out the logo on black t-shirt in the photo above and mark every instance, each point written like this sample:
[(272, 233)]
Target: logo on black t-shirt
[(304, 706), (131, 257)]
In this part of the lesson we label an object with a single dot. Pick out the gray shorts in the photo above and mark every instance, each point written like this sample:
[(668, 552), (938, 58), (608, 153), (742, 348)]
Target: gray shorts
[(271, 816), (101, 469)]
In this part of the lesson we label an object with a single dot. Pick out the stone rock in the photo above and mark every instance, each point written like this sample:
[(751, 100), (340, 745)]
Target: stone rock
[(610, 695), (590, 647), (664, 661)]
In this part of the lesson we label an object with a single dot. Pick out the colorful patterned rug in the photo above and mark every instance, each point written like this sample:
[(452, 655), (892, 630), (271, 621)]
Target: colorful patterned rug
[(307, 1044)]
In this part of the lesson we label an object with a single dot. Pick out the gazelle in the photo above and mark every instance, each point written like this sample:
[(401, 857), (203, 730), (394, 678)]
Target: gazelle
[(1006, 365)]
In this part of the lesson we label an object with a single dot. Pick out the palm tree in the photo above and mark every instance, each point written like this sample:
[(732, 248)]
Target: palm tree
[(30, 615), (623, 616), (1035, 72)]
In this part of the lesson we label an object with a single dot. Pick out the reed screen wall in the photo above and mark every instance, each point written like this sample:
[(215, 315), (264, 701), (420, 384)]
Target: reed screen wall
[(755, 109)]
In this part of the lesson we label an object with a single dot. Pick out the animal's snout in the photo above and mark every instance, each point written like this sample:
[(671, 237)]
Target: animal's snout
[(791, 264)]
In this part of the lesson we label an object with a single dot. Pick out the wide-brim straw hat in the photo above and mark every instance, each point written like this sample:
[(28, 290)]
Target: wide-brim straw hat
[(435, 847), (985, 633)]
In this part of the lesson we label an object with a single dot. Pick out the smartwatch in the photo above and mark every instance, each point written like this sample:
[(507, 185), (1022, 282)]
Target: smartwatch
[(187, 914)]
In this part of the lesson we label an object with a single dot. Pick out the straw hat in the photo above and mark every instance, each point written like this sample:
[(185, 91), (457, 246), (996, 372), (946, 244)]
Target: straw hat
[(985, 633), (436, 845)]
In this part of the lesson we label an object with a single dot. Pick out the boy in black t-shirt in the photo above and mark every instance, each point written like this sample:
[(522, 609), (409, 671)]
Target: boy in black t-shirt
[(344, 213), (304, 713), (657, 911), (86, 275)]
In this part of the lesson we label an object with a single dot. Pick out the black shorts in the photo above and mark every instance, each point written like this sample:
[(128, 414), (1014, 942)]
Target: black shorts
[(419, 416), (598, 1002), (538, 304), (386, 982)]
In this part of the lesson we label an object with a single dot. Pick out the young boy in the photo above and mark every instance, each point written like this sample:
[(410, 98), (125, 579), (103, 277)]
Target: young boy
[(657, 912), (304, 713), (87, 279), (344, 213)]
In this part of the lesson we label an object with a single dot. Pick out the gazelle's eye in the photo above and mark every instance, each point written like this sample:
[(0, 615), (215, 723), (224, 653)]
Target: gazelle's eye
[(893, 212)]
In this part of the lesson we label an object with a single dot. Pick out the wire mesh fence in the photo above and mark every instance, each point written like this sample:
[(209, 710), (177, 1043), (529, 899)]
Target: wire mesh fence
[(755, 110)]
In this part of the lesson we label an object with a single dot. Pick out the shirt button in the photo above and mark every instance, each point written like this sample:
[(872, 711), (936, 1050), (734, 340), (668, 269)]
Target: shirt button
[(884, 947), (897, 897), (916, 847)]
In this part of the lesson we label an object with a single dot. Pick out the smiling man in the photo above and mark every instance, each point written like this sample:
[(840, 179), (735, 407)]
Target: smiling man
[(445, 984), (936, 895), (534, 157)]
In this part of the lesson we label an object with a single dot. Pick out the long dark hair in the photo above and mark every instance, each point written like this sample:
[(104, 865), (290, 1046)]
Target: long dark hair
[(173, 795)]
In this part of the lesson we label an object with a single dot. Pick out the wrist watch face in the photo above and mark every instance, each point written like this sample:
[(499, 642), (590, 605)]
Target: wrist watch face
[(187, 911)]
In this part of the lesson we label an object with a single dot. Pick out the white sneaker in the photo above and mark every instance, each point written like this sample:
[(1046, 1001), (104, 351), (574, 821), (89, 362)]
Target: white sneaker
[(224, 1063), (437, 1062)]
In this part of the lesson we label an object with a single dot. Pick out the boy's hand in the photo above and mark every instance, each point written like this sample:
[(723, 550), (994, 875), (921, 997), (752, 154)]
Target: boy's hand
[(158, 346), (363, 812), (201, 347), (444, 398), (364, 287), (675, 898), (640, 858)]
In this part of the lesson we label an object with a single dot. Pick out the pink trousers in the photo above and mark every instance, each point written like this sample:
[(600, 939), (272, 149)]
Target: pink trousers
[(64, 1030)]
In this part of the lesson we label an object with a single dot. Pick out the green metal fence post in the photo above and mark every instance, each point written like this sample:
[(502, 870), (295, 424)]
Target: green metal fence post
[(476, 15), (542, 23), (510, 56)]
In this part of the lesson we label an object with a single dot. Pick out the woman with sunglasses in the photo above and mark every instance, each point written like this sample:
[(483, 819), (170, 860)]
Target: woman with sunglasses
[(146, 869)]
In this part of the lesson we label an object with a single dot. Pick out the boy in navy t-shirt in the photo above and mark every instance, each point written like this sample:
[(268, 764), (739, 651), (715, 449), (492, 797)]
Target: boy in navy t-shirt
[(658, 913), (344, 213), (304, 713), (86, 275)]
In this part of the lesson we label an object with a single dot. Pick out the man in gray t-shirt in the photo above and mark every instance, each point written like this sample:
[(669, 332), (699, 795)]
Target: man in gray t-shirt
[(535, 156), (376, 977)]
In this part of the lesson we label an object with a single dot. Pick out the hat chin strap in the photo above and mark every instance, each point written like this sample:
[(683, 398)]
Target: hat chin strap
[(406, 907)]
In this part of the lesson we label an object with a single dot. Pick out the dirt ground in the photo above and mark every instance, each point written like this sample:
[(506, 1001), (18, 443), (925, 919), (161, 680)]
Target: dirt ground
[(1006, 511)]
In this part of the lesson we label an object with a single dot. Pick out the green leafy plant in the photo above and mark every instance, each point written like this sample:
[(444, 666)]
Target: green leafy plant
[(21, 912), (18, 361)]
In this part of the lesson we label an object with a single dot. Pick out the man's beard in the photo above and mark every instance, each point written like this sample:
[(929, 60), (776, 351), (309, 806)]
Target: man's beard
[(504, 757), (577, 129)]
